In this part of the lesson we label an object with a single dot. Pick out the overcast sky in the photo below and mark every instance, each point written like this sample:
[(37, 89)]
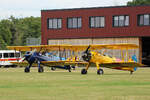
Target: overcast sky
[(25, 8)]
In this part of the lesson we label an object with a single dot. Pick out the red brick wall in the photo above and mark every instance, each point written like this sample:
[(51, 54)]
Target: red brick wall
[(85, 32)]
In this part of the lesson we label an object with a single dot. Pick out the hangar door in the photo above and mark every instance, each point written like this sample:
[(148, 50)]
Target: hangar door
[(146, 50), (116, 53)]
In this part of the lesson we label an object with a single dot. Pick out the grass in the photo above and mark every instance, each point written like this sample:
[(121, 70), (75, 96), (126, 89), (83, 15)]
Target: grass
[(62, 85)]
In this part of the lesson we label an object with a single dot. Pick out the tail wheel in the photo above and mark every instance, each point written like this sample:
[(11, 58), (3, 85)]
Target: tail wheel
[(83, 71), (41, 69), (100, 72), (27, 70)]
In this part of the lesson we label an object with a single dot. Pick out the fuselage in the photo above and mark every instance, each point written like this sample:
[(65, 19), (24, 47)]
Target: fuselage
[(97, 57), (103, 59)]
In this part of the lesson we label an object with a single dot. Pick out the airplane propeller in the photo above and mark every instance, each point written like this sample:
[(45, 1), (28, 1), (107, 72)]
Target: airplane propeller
[(36, 57), (30, 57), (87, 55), (86, 51)]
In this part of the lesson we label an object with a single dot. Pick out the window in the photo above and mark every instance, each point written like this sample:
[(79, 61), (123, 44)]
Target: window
[(11, 55), (144, 19), (6, 55), (0, 55), (54, 23), (75, 22), (120, 21), (17, 54), (126, 20), (116, 21), (97, 22)]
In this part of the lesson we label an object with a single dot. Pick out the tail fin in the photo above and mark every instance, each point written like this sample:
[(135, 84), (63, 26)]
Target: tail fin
[(134, 58)]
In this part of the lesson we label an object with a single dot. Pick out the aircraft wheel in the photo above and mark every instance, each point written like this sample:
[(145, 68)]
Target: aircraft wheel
[(27, 70), (131, 72), (100, 72), (41, 69), (68, 67), (83, 71), (53, 68), (73, 67)]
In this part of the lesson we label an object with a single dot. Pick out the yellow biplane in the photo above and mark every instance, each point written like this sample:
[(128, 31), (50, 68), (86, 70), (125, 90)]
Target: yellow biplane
[(90, 57)]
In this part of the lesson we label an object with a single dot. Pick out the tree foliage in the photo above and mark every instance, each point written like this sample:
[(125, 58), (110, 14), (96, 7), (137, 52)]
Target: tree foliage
[(14, 31), (138, 2)]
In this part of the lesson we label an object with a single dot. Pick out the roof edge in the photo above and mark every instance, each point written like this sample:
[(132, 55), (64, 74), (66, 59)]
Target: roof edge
[(65, 9)]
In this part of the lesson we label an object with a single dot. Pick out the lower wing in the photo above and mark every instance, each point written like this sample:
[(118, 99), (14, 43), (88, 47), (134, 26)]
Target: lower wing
[(128, 66), (24, 63), (121, 64), (55, 63)]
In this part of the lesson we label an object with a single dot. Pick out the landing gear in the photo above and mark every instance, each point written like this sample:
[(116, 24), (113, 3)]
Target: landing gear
[(53, 68), (131, 72), (100, 72), (83, 71), (40, 69), (68, 67), (73, 67), (27, 70)]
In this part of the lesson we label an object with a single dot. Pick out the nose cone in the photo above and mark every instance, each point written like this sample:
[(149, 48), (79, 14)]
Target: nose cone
[(86, 57), (28, 55)]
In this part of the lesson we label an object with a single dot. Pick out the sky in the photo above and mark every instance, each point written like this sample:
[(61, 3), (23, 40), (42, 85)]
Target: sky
[(26, 8)]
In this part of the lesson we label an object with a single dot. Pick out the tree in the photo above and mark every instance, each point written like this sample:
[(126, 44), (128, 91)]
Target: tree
[(2, 43), (138, 2), (5, 31), (32, 28), (15, 31)]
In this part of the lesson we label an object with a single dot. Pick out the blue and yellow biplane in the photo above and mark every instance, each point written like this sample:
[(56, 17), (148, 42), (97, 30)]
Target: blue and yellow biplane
[(90, 57)]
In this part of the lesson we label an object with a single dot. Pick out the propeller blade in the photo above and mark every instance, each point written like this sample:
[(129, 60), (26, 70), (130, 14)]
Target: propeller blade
[(86, 51), (22, 59), (33, 51), (87, 54)]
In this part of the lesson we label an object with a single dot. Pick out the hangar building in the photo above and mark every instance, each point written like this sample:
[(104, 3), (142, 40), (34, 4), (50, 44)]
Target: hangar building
[(99, 25)]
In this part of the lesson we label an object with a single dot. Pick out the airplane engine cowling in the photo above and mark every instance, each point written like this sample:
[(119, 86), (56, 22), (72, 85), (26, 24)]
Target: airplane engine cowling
[(87, 57)]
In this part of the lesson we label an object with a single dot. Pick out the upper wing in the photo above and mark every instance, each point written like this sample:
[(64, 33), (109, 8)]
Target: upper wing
[(73, 47), (49, 47), (122, 46)]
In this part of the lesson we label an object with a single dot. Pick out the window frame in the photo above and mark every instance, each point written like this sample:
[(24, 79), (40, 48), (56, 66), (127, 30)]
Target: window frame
[(58, 23), (139, 16), (94, 22), (73, 25), (119, 21)]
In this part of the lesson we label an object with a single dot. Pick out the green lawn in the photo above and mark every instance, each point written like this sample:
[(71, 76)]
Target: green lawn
[(62, 85)]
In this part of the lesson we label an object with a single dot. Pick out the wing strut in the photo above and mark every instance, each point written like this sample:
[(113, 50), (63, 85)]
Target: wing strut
[(59, 54)]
